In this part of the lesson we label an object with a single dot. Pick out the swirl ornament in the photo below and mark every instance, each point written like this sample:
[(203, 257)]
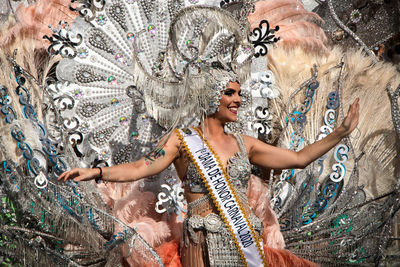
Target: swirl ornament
[(64, 102), (5, 107), (88, 8), (341, 153), (267, 82), (339, 169), (330, 118), (330, 115), (41, 181), (34, 158), (264, 84), (298, 117), (282, 190), (171, 200), (333, 101), (63, 41), (332, 184), (262, 120), (261, 37)]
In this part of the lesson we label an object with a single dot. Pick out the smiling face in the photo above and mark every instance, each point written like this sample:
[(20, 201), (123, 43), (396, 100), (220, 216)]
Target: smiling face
[(229, 103)]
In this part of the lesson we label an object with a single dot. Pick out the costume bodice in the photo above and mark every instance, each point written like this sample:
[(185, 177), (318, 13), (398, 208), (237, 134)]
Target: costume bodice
[(238, 170)]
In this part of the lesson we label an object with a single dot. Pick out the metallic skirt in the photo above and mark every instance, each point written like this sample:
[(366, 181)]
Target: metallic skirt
[(206, 240)]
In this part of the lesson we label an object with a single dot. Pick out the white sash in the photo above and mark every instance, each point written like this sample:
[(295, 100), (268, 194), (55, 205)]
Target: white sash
[(216, 180)]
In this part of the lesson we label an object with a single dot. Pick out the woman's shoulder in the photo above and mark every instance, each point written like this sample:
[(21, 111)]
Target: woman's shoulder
[(248, 139), (170, 140), (175, 136), (253, 143)]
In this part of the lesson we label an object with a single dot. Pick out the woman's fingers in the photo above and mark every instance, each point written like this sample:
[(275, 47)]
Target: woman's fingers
[(356, 105), (353, 110), (61, 176), (77, 174), (68, 175), (354, 114), (350, 108), (350, 122)]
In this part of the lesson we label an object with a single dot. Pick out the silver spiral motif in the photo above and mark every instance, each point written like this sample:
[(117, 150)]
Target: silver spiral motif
[(339, 172), (341, 153), (330, 118)]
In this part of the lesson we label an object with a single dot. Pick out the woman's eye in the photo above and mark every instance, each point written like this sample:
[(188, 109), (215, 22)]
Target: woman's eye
[(228, 93), (240, 93)]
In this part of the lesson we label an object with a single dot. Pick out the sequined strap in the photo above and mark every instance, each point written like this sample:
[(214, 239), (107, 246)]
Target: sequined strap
[(242, 144)]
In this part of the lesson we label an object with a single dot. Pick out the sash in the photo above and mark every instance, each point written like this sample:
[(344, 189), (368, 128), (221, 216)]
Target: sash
[(224, 197)]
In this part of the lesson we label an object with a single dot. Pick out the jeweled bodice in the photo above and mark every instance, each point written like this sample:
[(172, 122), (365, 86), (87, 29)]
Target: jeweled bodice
[(238, 170)]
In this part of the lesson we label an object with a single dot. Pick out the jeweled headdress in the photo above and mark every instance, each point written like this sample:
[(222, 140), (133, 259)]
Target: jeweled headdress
[(170, 59)]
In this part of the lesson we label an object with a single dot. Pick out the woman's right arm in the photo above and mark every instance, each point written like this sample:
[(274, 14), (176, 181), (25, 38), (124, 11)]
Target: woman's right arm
[(149, 165)]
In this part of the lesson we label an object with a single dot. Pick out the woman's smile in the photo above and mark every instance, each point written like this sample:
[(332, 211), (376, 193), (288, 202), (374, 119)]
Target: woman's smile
[(229, 103), (234, 110)]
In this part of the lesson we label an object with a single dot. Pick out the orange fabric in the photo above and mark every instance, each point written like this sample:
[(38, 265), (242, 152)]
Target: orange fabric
[(169, 254), (284, 258)]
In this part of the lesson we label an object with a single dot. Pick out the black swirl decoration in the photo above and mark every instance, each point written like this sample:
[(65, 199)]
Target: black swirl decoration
[(261, 120), (87, 8), (62, 42), (224, 3), (260, 44)]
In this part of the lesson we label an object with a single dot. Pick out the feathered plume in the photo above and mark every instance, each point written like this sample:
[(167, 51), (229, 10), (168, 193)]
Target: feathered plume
[(138, 213), (257, 194), (375, 134), (32, 21), (298, 27)]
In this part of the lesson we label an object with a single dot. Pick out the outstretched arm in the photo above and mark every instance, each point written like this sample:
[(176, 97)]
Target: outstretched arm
[(269, 156), (149, 165)]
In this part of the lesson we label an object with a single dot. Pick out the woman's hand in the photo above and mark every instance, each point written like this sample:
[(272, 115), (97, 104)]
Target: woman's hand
[(80, 174), (351, 120), (264, 155)]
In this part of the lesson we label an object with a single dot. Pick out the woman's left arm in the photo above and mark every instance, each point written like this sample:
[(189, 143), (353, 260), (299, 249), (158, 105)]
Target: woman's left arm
[(265, 155)]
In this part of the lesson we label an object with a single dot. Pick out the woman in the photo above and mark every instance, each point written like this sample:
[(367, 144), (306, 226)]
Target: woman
[(202, 246)]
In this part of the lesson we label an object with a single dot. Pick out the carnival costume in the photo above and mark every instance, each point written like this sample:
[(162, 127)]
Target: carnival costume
[(129, 72)]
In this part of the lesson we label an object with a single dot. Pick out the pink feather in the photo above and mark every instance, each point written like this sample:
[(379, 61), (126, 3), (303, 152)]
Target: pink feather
[(33, 21), (259, 201), (154, 232), (297, 26)]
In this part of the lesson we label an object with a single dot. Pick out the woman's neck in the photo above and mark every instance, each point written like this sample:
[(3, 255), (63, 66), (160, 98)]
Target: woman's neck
[(212, 128)]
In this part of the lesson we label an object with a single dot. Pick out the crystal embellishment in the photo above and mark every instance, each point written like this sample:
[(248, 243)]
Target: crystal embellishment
[(114, 102), (101, 20), (124, 121), (78, 93), (83, 52), (130, 36), (120, 58), (111, 80)]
